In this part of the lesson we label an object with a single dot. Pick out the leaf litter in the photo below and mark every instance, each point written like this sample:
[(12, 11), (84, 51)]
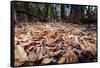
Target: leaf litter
[(43, 43)]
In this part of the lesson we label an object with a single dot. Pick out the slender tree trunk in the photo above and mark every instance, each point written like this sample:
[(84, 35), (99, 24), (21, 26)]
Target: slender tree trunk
[(75, 13), (15, 19), (46, 11), (62, 12)]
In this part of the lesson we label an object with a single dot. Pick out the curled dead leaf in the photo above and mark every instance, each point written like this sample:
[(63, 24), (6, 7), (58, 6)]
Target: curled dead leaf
[(26, 43), (91, 50), (40, 56), (57, 52), (28, 48), (20, 54), (18, 63), (62, 60), (72, 57), (85, 43), (32, 56), (46, 60), (52, 48), (52, 34)]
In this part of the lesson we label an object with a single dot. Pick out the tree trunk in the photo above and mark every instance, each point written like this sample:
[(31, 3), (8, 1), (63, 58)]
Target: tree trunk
[(62, 12), (75, 13), (15, 19)]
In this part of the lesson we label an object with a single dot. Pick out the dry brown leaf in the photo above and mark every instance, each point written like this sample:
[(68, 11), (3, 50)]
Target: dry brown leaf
[(38, 50), (20, 54), (52, 34), (76, 39), (67, 57), (72, 57), (50, 42), (26, 43), (17, 40), (18, 63), (46, 60), (41, 52), (57, 52), (91, 50), (50, 53), (86, 45), (52, 48), (28, 48), (32, 56), (77, 52), (62, 60), (40, 56), (26, 37), (71, 36), (65, 37)]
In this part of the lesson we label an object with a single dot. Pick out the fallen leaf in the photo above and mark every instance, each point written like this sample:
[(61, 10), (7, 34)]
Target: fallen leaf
[(32, 56), (20, 54), (62, 60), (46, 60), (57, 52), (18, 63)]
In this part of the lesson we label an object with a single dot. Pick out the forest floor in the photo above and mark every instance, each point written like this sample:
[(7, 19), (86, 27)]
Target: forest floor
[(54, 43)]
